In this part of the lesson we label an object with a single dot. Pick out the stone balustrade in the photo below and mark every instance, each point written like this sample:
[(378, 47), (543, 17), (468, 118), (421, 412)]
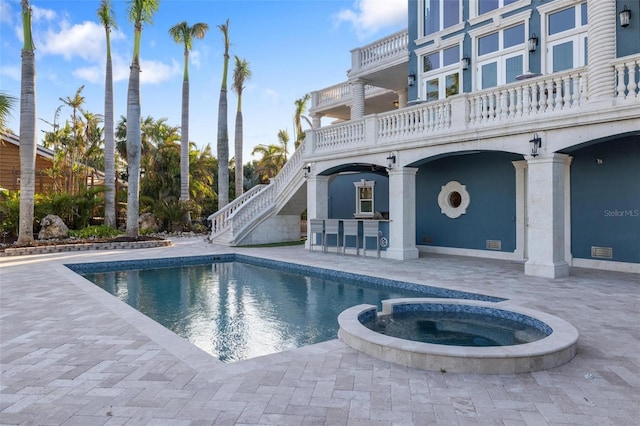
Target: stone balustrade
[(627, 76), (380, 52)]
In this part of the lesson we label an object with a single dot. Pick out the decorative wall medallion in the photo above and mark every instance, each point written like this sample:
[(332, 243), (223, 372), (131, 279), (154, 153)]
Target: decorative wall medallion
[(383, 242), (453, 199)]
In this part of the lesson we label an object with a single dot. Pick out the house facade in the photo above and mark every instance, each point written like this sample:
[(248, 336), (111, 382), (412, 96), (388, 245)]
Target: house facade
[(505, 129)]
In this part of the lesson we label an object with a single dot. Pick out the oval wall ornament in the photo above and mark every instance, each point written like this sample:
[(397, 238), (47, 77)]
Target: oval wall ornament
[(453, 199)]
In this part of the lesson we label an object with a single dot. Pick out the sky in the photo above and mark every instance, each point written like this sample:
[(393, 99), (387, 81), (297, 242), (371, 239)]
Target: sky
[(293, 47)]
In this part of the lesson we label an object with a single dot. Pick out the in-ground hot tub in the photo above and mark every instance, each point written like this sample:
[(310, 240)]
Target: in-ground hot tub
[(543, 341)]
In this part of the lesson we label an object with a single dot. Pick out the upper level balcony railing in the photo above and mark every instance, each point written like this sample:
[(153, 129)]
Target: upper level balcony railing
[(340, 94), (542, 97), (381, 52)]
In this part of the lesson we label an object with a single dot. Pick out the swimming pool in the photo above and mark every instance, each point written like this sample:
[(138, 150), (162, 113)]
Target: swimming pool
[(238, 307)]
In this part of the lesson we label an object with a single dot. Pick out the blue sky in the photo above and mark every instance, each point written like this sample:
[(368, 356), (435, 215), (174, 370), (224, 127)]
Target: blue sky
[(293, 47)]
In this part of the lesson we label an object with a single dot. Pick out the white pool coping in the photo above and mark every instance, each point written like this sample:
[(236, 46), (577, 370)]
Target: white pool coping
[(554, 350)]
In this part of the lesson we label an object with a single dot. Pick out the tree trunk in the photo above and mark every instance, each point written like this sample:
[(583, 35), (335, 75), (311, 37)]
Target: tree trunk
[(238, 153), (109, 146), (133, 150), (28, 146), (223, 151), (184, 146)]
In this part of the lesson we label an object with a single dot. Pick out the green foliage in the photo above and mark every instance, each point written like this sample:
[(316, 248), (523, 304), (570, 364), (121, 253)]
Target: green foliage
[(171, 212), (9, 211), (97, 231)]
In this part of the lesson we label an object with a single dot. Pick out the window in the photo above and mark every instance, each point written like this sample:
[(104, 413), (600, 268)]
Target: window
[(441, 74), (501, 56), (567, 38), (364, 198), (485, 6), (440, 14)]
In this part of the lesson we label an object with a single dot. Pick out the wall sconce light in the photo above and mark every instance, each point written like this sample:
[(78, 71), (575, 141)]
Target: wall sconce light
[(391, 160), (533, 42), (396, 104), (536, 143), (307, 170), (411, 80), (625, 17), (465, 62)]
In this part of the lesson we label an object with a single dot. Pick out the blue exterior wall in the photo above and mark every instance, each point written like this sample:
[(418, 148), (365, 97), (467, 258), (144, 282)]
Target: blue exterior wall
[(490, 180), (628, 39), (342, 194), (605, 199)]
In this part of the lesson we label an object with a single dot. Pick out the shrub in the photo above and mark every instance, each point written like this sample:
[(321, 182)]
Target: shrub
[(98, 231)]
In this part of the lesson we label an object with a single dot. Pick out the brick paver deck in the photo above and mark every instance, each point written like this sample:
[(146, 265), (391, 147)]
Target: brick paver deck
[(71, 354)]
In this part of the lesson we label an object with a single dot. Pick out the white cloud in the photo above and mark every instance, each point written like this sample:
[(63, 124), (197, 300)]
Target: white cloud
[(40, 14), (370, 16), (154, 72), (6, 13), (12, 71), (194, 58), (92, 74), (85, 40)]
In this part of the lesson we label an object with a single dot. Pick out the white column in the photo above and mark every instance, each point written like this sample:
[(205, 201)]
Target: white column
[(357, 99), (601, 45), (521, 237), (546, 216), (568, 255), (317, 199), (402, 214), (402, 98), (316, 121)]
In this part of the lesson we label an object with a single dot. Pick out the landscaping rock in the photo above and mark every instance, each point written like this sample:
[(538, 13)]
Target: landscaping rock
[(148, 221), (52, 226)]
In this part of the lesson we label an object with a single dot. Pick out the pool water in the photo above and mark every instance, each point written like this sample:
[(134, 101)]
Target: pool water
[(454, 328), (236, 310)]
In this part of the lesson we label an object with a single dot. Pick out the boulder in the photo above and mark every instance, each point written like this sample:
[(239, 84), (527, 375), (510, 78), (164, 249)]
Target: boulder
[(51, 227), (148, 221)]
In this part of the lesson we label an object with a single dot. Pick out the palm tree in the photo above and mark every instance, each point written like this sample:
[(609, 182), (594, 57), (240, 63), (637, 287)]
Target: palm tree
[(28, 143), (75, 103), (223, 132), (241, 73), (273, 157), (139, 11), (6, 104), (107, 19), (182, 33), (301, 107)]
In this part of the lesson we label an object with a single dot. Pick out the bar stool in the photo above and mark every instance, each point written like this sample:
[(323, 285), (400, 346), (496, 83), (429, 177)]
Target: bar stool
[(332, 227), (350, 229), (370, 230), (316, 226)]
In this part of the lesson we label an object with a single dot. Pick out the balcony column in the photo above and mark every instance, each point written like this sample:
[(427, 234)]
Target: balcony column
[(402, 98), (317, 199), (402, 213), (601, 46), (546, 216), (357, 99), (316, 121)]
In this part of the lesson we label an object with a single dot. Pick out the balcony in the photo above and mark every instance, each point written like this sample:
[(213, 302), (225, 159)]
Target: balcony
[(383, 64), (543, 103)]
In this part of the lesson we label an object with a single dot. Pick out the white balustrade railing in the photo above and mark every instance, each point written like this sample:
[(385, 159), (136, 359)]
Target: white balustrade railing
[(268, 197), (340, 94), (381, 51), (627, 77), (428, 117), (220, 219), (339, 136), (554, 92)]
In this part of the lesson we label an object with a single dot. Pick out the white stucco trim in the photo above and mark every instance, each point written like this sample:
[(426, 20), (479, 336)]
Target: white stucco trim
[(487, 254), (443, 199)]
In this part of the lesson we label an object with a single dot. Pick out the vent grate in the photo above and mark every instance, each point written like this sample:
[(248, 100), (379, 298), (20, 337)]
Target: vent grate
[(494, 245), (602, 252)]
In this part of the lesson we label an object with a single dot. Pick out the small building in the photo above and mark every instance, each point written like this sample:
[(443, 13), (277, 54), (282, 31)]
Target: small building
[(10, 165)]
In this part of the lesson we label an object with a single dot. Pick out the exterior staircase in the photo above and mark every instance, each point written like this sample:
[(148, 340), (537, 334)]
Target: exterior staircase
[(265, 213)]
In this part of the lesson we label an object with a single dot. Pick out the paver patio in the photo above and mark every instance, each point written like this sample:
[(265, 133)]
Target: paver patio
[(71, 354)]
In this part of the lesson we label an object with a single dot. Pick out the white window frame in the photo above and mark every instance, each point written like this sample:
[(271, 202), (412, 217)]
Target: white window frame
[(424, 38), (495, 14), (499, 26), (441, 72), (363, 184), (502, 66), (578, 35)]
